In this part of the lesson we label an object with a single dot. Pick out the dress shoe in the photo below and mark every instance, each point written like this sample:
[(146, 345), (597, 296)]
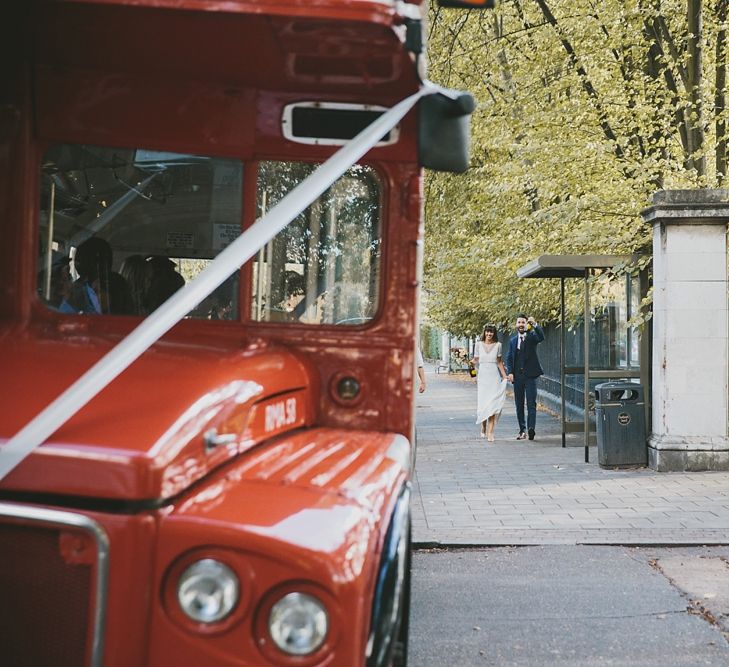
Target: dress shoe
[(531, 434)]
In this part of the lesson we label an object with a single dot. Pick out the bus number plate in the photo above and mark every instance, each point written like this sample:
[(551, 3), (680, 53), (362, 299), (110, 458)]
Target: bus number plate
[(278, 414)]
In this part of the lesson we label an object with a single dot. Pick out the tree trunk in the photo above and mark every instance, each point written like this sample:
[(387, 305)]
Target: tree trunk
[(697, 160), (720, 95)]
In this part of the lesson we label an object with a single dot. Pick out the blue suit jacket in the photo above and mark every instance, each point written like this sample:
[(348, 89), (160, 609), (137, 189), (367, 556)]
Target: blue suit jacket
[(528, 361)]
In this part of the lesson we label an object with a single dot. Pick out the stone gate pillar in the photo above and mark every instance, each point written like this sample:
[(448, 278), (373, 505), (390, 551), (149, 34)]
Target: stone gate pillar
[(690, 337)]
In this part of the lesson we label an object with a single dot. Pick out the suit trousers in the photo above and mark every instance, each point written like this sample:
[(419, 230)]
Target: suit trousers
[(525, 387)]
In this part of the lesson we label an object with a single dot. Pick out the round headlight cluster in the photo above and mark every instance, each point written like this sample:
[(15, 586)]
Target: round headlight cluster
[(208, 591), (298, 624)]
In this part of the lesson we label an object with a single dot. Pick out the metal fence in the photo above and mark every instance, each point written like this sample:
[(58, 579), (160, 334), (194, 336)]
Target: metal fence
[(612, 346)]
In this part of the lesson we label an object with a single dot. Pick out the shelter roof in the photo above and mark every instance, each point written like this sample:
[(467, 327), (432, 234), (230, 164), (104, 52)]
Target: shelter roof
[(569, 266)]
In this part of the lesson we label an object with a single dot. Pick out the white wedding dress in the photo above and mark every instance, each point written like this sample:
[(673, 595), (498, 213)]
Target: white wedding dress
[(491, 388)]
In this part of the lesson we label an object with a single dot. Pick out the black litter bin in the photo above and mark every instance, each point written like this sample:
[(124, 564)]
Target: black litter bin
[(620, 414)]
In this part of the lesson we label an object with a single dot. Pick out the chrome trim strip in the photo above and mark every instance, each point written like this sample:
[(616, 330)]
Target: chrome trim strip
[(59, 518)]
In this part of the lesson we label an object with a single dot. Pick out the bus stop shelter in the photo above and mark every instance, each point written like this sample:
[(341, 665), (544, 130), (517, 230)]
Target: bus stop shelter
[(584, 266)]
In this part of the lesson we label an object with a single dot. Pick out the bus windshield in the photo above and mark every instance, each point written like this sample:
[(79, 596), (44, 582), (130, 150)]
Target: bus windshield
[(122, 229)]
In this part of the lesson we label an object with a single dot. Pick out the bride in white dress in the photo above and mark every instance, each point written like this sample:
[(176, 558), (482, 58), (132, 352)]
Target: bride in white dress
[(491, 381)]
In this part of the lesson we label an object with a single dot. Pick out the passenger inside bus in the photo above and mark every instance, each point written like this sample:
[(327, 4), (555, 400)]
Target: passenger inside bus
[(165, 281), (137, 271), (98, 289), (61, 284), (221, 302)]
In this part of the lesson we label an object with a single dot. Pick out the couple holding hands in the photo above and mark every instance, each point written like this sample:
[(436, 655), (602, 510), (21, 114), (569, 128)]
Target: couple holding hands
[(521, 367)]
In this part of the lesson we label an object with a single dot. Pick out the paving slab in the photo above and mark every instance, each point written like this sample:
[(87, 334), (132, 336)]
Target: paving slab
[(470, 492)]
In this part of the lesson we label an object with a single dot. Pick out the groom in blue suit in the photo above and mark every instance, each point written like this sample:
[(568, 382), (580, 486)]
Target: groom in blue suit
[(523, 369)]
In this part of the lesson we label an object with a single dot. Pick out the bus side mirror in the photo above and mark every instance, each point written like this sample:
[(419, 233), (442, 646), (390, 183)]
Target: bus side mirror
[(468, 4), (444, 131)]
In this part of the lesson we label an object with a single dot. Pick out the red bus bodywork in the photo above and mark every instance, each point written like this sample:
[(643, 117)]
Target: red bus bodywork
[(99, 522)]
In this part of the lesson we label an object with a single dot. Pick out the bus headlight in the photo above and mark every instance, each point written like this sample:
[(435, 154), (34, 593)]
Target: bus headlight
[(298, 624), (207, 591)]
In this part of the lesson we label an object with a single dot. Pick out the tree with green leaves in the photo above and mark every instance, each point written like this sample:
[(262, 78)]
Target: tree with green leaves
[(585, 109)]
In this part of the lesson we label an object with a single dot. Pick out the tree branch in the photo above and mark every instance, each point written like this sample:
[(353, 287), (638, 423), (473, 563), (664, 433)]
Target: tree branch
[(584, 78)]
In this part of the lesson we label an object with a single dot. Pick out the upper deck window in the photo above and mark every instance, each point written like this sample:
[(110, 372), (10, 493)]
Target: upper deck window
[(324, 268), (122, 229)]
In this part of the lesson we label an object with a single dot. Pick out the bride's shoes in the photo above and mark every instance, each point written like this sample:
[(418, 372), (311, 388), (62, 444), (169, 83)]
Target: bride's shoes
[(485, 434)]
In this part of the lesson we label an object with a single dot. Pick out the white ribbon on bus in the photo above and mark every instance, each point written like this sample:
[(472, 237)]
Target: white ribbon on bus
[(114, 362)]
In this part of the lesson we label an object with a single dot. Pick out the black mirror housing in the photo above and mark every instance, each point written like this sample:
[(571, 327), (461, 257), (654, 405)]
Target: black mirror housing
[(444, 131)]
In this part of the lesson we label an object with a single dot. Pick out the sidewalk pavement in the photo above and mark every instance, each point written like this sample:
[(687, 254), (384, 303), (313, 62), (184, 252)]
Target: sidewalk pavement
[(470, 492)]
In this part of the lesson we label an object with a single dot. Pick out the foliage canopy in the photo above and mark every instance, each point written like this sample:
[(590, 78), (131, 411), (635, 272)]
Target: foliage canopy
[(585, 109)]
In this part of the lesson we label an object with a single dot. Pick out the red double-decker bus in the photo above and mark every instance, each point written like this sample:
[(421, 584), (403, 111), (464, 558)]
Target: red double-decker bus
[(210, 217)]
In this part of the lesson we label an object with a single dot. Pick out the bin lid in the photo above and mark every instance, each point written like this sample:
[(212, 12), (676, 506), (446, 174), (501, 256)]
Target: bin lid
[(623, 392), (615, 384)]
